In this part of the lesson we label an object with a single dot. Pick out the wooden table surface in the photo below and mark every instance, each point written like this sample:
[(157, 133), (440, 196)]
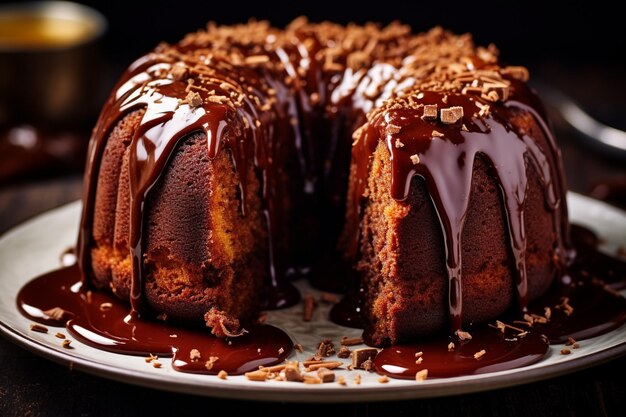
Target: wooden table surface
[(32, 386)]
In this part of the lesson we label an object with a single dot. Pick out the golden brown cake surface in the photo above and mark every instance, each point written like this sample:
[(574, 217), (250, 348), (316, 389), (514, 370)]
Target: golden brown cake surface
[(223, 162)]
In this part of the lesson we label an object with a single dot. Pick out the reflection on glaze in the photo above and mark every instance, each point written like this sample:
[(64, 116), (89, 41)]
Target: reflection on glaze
[(100, 320)]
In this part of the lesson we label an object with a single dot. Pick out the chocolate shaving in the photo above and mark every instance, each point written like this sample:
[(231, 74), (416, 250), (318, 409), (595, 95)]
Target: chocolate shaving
[(344, 352), (194, 355), (326, 348), (480, 354), (193, 99), (38, 328), (308, 307), (421, 375), (211, 362), (430, 112), (462, 335), (326, 375), (351, 341), (292, 373), (451, 115), (361, 356)]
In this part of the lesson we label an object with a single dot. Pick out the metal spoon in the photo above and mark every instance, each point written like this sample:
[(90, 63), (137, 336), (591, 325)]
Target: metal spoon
[(606, 138)]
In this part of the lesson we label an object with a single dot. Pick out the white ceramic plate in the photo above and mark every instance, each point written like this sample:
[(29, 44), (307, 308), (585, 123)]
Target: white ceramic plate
[(34, 248)]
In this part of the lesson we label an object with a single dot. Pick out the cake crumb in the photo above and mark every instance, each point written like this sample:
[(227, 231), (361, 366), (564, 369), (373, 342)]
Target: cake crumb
[(298, 347), (151, 358), (59, 335), (66, 344), (480, 354), (194, 355), (222, 324), (421, 375), (415, 159), (565, 351), (357, 379), (450, 346), (399, 144), (341, 380), (156, 364), (383, 379), (106, 306), (326, 375), (209, 364), (222, 374), (436, 134), (462, 335), (419, 360), (281, 351)]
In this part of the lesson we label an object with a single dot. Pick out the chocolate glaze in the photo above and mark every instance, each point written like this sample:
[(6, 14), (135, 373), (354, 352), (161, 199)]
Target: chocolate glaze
[(349, 311), (114, 329), (500, 355), (263, 93), (446, 164)]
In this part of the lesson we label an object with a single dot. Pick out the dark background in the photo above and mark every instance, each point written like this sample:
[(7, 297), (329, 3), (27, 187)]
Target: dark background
[(526, 31), (562, 43)]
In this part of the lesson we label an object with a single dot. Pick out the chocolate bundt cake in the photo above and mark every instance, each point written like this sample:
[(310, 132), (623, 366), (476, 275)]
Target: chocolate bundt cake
[(224, 163)]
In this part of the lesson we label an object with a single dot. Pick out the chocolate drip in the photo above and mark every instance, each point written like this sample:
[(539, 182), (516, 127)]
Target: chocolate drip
[(266, 94), (257, 92), (101, 320), (446, 155)]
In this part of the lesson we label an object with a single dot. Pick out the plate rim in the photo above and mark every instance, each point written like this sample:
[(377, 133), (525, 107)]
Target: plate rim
[(267, 391)]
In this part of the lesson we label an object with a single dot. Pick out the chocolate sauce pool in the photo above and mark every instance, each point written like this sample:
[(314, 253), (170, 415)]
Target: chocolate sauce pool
[(100, 320)]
